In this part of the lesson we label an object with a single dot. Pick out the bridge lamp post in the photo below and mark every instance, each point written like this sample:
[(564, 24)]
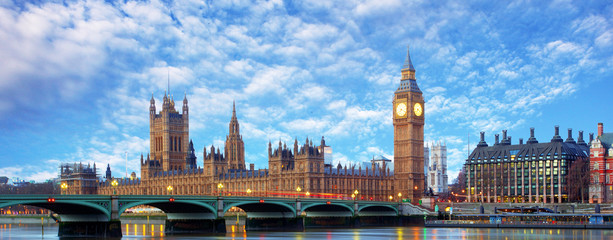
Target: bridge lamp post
[(391, 198), (114, 183), (399, 197), (64, 187), (249, 191), (169, 189), (307, 194), (219, 188), (355, 195)]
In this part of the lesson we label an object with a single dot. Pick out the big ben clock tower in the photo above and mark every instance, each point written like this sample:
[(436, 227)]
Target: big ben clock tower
[(409, 116)]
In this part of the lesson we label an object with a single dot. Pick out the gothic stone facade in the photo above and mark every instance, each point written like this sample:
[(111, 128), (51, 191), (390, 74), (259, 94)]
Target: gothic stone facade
[(437, 171), (293, 171), (408, 122)]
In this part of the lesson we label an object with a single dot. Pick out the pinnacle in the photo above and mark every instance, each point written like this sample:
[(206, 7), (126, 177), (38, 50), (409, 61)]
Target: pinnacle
[(408, 63)]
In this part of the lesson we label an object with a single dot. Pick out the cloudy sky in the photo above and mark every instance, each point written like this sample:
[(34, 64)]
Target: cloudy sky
[(76, 76)]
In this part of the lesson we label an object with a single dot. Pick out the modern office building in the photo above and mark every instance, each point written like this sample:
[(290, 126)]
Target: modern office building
[(523, 172)]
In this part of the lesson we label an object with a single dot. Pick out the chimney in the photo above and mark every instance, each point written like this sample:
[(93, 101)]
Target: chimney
[(591, 137), (556, 136), (532, 139), (496, 139), (505, 140), (580, 140), (251, 167), (600, 129), (570, 136), (521, 141), (482, 142)]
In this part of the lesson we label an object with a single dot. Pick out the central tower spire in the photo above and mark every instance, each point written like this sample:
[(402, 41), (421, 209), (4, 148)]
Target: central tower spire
[(235, 148)]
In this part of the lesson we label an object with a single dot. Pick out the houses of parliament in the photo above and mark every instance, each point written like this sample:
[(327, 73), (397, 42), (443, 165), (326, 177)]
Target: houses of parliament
[(294, 170)]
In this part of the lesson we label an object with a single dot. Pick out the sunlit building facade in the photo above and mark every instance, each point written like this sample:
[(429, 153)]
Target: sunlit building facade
[(294, 170), (524, 172), (601, 171)]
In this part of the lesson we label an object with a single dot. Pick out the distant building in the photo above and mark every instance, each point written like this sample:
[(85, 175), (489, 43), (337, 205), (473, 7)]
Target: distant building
[(426, 165), (4, 180), (530, 172), (79, 178), (437, 171), (601, 171)]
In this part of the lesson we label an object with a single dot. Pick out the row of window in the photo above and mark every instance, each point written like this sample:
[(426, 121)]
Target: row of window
[(531, 164), (513, 158), (596, 178), (597, 166)]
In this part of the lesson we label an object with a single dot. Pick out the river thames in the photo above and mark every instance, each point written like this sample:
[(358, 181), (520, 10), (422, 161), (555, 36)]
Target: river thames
[(141, 231)]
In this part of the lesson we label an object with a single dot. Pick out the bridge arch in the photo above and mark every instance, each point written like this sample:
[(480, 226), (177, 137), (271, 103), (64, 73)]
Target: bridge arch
[(377, 210), (328, 210), (267, 209), (69, 210), (177, 209)]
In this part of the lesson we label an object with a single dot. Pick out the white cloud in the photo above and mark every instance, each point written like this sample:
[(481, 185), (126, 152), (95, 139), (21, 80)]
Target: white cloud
[(271, 80), (313, 126), (328, 67), (605, 39), (374, 7)]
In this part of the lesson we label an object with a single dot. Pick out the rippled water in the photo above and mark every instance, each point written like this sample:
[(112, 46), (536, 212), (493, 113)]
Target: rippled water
[(143, 231)]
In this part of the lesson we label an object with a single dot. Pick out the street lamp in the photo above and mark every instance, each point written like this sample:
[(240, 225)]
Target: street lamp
[(249, 191), (353, 196), (391, 198), (298, 189), (219, 188), (399, 197), (169, 189), (114, 183), (307, 193), (64, 187)]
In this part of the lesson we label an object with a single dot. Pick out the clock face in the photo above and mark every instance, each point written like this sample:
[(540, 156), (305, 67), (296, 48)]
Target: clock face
[(417, 109), (401, 109)]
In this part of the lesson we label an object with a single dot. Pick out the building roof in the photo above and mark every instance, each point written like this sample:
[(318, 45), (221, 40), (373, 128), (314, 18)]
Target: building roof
[(553, 149), (607, 140), (408, 85)]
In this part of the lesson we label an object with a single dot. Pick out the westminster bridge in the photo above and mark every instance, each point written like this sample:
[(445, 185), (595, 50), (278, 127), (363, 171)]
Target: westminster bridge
[(98, 215)]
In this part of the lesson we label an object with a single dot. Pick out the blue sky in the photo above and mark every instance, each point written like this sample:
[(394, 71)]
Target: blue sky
[(76, 76)]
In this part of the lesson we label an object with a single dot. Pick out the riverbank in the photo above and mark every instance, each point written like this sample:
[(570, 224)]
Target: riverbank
[(531, 225)]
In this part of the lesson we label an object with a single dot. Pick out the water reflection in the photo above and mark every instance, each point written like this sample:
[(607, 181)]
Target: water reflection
[(156, 231), (144, 230)]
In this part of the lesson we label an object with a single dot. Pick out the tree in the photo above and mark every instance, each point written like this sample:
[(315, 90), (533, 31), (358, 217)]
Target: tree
[(578, 180), (459, 185)]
